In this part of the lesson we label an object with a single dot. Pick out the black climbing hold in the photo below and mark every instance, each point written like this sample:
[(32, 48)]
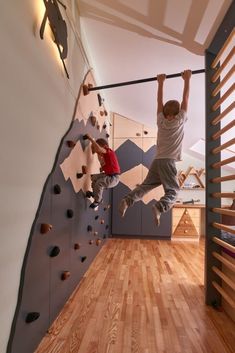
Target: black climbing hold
[(96, 217), (89, 228), (57, 189), (71, 144), (76, 246), (33, 316), (83, 258), (55, 251), (99, 99), (107, 135), (79, 175), (104, 126), (89, 194), (70, 213), (107, 226)]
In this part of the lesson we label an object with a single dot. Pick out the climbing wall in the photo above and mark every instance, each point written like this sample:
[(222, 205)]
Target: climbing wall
[(135, 146), (66, 234)]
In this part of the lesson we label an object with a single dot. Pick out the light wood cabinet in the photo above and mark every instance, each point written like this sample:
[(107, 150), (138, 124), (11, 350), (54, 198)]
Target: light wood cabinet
[(186, 221)]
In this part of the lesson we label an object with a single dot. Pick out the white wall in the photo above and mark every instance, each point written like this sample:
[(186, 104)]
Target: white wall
[(37, 105)]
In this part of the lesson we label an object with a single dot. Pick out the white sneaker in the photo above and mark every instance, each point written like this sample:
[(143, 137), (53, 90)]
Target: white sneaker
[(156, 215), (123, 206)]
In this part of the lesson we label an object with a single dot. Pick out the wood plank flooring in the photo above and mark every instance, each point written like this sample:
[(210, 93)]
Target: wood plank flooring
[(142, 296)]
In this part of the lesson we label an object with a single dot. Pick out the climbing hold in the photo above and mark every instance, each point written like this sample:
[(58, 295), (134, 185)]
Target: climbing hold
[(76, 246), (96, 217), (71, 144), (55, 251), (85, 89), (79, 175), (70, 213), (89, 228), (107, 226), (89, 194), (45, 228), (107, 135), (85, 137), (145, 132), (98, 126), (101, 113), (93, 120), (102, 221), (84, 169), (65, 275), (83, 258), (105, 113), (104, 126), (91, 242), (99, 99), (138, 134), (33, 316), (98, 241), (57, 189), (95, 233)]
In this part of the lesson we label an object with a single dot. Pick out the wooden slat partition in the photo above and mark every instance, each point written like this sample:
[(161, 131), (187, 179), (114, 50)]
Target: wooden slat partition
[(222, 50), (223, 211), (223, 146), (223, 114), (223, 227), (223, 65), (225, 278), (227, 195), (224, 294), (222, 179), (229, 126), (224, 244), (224, 97), (224, 261), (224, 162), (222, 83)]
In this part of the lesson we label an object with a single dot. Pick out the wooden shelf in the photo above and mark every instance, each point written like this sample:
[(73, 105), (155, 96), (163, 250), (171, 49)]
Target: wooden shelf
[(191, 172)]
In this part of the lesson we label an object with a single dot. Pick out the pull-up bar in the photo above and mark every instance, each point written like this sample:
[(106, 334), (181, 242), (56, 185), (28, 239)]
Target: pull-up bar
[(88, 88)]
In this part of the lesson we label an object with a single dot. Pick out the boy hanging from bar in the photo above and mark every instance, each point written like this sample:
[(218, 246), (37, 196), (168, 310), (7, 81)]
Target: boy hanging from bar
[(171, 118), (109, 177)]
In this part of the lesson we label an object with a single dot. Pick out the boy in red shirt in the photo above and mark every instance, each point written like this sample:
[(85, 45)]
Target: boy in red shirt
[(110, 170)]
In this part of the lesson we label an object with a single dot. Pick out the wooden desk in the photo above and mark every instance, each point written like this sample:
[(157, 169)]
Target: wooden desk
[(187, 221)]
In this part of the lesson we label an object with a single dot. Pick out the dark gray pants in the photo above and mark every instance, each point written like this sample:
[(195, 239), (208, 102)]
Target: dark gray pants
[(101, 181), (162, 172)]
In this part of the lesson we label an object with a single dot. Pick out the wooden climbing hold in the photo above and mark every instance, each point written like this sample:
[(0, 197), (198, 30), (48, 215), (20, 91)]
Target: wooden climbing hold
[(32, 316), (102, 221), (98, 241), (57, 189), (138, 134), (70, 213), (45, 228), (85, 89), (93, 120), (76, 246), (71, 144), (55, 251), (65, 275)]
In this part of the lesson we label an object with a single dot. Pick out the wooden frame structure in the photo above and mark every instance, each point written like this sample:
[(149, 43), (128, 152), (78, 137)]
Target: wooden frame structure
[(219, 287)]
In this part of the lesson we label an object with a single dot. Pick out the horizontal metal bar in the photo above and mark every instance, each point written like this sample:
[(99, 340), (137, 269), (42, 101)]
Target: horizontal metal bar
[(126, 83)]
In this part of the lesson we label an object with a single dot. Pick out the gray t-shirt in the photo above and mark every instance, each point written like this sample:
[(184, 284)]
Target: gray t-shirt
[(170, 136)]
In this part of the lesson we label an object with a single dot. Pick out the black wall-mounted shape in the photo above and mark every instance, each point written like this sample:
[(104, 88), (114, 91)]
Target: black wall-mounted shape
[(58, 27)]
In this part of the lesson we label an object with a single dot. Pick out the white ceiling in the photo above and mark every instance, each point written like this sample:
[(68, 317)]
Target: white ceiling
[(135, 39)]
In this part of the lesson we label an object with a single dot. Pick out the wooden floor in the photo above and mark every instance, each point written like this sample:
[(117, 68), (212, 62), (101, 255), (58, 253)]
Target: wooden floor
[(142, 296)]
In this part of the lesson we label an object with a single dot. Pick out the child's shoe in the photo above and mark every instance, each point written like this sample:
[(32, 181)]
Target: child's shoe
[(94, 205), (89, 194), (156, 215), (123, 206)]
